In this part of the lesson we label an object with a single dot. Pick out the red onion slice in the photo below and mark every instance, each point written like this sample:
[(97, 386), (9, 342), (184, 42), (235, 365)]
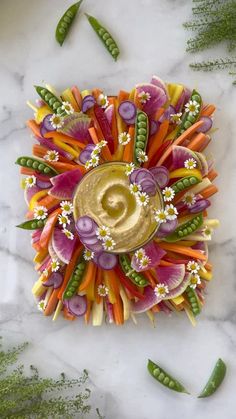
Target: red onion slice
[(130, 121), (161, 175), (207, 124), (43, 185), (166, 115), (77, 305), (85, 154), (149, 186), (127, 110), (88, 104), (107, 261), (54, 280), (85, 225), (166, 228), (154, 127), (199, 206)]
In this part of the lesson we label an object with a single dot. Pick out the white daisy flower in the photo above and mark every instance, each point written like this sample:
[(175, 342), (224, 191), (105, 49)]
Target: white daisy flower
[(134, 188), (88, 254), (144, 97), (168, 194), (40, 212), (30, 181), (161, 290), (55, 265), (160, 216), (142, 157), (66, 207), (144, 262), (41, 305), (102, 290), (194, 281), (56, 121), (67, 108), (190, 164), (94, 161), (108, 244), (142, 199), (63, 220), (140, 253), (88, 164), (129, 168), (207, 232), (103, 233), (193, 267), (68, 234), (124, 138), (189, 199), (96, 152), (176, 118), (171, 212), (192, 107), (101, 144), (51, 155), (103, 101)]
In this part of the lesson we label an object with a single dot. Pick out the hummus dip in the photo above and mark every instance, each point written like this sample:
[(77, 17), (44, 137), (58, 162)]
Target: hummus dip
[(104, 195)]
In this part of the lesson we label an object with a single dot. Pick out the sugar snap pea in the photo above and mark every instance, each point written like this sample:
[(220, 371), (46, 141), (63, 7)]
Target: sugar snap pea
[(184, 183), (215, 380), (141, 134), (32, 224), (189, 120), (185, 229), (136, 277), (76, 278), (106, 38), (37, 165), (193, 301), (165, 378), (50, 99), (66, 21)]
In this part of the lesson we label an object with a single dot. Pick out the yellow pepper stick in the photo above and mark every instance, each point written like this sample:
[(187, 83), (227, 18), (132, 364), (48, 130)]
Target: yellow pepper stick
[(126, 303), (36, 197), (67, 96), (205, 275), (38, 288), (178, 300), (58, 310), (185, 172), (40, 256), (66, 147), (90, 290)]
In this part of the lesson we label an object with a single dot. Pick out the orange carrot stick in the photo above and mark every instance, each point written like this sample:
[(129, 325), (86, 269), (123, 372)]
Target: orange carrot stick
[(89, 275), (105, 150), (209, 191), (159, 113), (123, 95), (114, 130), (65, 167), (150, 278), (48, 228), (34, 127), (77, 96), (183, 250), (208, 110), (39, 151), (157, 142), (128, 150), (98, 281), (26, 171), (165, 263), (64, 138), (88, 311), (69, 270), (212, 175), (197, 141), (52, 303), (96, 93), (118, 311), (49, 202), (114, 283)]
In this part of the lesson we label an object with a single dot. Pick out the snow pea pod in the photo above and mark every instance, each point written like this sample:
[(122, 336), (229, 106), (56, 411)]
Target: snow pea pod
[(136, 277), (66, 21), (50, 99), (76, 278), (141, 134), (184, 183), (189, 120), (165, 378), (185, 229), (215, 380), (37, 165), (106, 38), (32, 224), (193, 301)]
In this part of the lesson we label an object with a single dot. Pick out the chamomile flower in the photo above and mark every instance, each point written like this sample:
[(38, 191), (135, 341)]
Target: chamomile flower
[(63, 220), (176, 118), (56, 121), (144, 262), (171, 212), (189, 199), (192, 107), (51, 155), (30, 181), (101, 144), (68, 233), (140, 253), (41, 305), (96, 151), (129, 168), (102, 290), (103, 101), (103, 233), (168, 194), (124, 138), (161, 290), (40, 212), (67, 108), (55, 265), (94, 161), (160, 216), (194, 281), (88, 164), (134, 188), (193, 267), (108, 244), (207, 232), (66, 207), (144, 97), (142, 157), (88, 254), (142, 199), (190, 164)]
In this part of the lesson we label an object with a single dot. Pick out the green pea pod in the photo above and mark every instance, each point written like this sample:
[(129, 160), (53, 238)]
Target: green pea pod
[(66, 21), (50, 99), (165, 378), (189, 120), (141, 135), (193, 301), (185, 229), (136, 277), (32, 224), (185, 183), (215, 380), (106, 38), (76, 278), (35, 164)]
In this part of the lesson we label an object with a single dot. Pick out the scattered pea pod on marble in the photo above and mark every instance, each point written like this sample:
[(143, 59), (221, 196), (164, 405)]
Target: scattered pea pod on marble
[(37, 165), (66, 21), (215, 380), (106, 38), (187, 119), (193, 300), (165, 378), (141, 134), (50, 99), (136, 277), (76, 278), (185, 183), (32, 224), (185, 229)]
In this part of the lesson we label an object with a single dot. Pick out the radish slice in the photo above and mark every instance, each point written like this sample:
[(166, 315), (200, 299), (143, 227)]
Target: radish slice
[(89, 240), (65, 184), (86, 226), (181, 154), (154, 127), (155, 254), (109, 112), (46, 142), (77, 305), (203, 161), (43, 185), (127, 110), (184, 98), (168, 112), (199, 206), (96, 248), (159, 83), (150, 300), (63, 246), (164, 308), (85, 154), (157, 99), (172, 276), (166, 228), (142, 174), (161, 175), (207, 124), (54, 280), (30, 192), (76, 126), (176, 292), (51, 251), (44, 264), (107, 261)]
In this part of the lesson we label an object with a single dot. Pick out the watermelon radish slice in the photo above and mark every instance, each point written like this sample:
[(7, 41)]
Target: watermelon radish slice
[(204, 165), (156, 81), (176, 292), (63, 246), (181, 154), (150, 300), (77, 305), (158, 97), (155, 254), (65, 183), (172, 276), (30, 192), (46, 142), (76, 126), (51, 250), (109, 112)]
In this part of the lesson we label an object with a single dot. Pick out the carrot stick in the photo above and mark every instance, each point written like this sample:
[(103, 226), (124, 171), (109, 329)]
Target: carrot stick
[(69, 270), (157, 142), (208, 266), (165, 263), (89, 276), (48, 228), (64, 138), (52, 303), (211, 190), (26, 171), (114, 130), (114, 283), (98, 281), (197, 141), (39, 151), (149, 276), (128, 150), (105, 150), (96, 93), (183, 250), (77, 96), (88, 311), (156, 309), (49, 202), (205, 143), (118, 311), (65, 167), (34, 127), (159, 113), (208, 110), (212, 175), (123, 95)]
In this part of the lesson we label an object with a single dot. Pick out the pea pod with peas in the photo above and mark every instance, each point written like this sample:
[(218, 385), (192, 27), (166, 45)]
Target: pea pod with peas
[(193, 301), (165, 378), (141, 134), (76, 278), (66, 21), (136, 277), (185, 229), (50, 99), (36, 164), (189, 118), (32, 224)]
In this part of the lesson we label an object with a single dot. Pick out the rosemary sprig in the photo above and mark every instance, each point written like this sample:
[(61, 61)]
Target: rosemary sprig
[(220, 63)]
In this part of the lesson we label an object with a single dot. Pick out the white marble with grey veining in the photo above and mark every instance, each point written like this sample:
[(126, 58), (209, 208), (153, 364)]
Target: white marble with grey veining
[(152, 41)]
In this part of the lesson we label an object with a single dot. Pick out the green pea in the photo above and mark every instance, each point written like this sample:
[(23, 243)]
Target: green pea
[(68, 294), (111, 47), (141, 117), (41, 167), (187, 124), (140, 144), (191, 118), (106, 36), (166, 381), (35, 164), (101, 31), (156, 372), (52, 100), (215, 380), (29, 163), (142, 131), (47, 97), (46, 170), (56, 104), (142, 282), (165, 378), (109, 41), (185, 231), (67, 19), (136, 277), (180, 185), (114, 52), (188, 120), (171, 384), (185, 228), (32, 224), (69, 13), (180, 233), (193, 227), (196, 97), (189, 230), (193, 180), (23, 161), (40, 223), (65, 22), (142, 124), (186, 182)]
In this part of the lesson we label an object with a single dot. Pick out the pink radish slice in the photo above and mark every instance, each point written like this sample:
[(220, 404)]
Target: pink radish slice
[(158, 97), (172, 276), (127, 110), (77, 305), (155, 254), (107, 261), (65, 183), (51, 251), (46, 142), (199, 206), (203, 161), (89, 240), (154, 127), (44, 264), (176, 292), (36, 235), (85, 225), (30, 192), (54, 280), (109, 112), (76, 126), (168, 112), (181, 154), (207, 124), (149, 186), (43, 185), (63, 246), (46, 124), (159, 83), (166, 228), (150, 299), (161, 175)]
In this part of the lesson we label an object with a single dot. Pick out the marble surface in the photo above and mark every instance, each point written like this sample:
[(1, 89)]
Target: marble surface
[(152, 41)]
